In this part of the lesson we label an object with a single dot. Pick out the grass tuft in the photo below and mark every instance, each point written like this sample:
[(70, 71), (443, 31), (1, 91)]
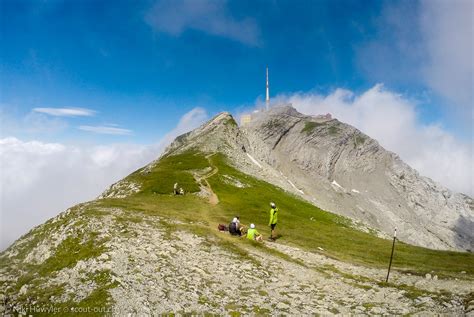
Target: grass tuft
[(309, 126)]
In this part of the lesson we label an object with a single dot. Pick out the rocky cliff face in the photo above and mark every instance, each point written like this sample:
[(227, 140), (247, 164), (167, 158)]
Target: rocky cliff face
[(347, 172)]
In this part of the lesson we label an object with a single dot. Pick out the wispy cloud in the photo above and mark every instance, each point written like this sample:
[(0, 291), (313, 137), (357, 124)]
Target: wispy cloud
[(105, 130), (212, 17), (66, 112), (35, 123), (188, 121)]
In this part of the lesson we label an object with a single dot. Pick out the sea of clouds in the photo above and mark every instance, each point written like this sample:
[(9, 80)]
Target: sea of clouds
[(39, 179)]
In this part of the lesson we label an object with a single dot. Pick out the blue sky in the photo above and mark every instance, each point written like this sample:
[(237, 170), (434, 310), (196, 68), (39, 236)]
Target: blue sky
[(142, 64)]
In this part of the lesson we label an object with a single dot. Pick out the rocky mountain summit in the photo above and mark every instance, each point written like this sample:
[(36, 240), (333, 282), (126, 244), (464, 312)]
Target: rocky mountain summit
[(345, 171), (140, 250)]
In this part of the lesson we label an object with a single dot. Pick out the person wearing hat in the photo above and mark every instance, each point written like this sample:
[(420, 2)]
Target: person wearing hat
[(253, 234), (273, 219)]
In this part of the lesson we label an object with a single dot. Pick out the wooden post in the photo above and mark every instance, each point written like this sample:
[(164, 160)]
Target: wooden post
[(391, 256)]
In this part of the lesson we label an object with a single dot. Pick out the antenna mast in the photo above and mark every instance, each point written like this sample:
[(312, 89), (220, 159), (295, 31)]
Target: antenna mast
[(267, 99)]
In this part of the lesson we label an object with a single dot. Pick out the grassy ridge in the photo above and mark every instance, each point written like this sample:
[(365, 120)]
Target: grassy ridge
[(170, 169), (300, 223), (80, 245), (307, 226)]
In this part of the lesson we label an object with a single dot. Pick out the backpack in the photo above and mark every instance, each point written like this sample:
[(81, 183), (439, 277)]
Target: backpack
[(222, 227)]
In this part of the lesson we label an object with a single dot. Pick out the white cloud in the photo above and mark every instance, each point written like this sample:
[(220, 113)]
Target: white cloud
[(448, 30), (105, 130), (66, 112), (392, 120), (38, 180), (429, 42), (188, 122), (175, 17)]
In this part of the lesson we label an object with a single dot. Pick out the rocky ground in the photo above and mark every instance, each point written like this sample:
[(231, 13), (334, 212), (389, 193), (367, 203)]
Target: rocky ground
[(152, 265)]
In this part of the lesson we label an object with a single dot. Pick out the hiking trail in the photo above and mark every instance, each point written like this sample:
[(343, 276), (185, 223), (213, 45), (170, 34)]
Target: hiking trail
[(206, 189)]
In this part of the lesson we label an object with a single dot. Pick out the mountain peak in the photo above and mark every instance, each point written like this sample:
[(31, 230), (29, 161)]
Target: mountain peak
[(221, 117), (212, 136), (287, 109), (337, 167)]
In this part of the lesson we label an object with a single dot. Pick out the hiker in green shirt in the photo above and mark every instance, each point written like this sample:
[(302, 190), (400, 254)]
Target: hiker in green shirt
[(253, 234), (273, 219)]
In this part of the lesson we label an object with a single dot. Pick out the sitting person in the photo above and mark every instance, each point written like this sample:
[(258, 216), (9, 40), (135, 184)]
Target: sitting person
[(253, 234), (234, 227)]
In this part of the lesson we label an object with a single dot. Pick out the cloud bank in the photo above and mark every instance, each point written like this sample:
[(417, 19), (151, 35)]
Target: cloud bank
[(38, 180), (212, 17), (392, 120)]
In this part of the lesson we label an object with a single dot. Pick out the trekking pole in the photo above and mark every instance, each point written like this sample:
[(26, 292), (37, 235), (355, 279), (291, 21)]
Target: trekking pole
[(391, 256)]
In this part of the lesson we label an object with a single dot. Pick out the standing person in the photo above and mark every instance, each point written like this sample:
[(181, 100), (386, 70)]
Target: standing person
[(273, 219), (175, 189)]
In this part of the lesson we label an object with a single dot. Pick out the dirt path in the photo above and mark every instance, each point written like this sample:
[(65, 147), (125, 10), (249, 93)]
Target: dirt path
[(206, 188), (213, 199)]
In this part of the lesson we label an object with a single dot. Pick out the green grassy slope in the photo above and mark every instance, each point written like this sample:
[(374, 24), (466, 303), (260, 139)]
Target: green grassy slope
[(170, 170), (80, 245), (300, 223), (309, 227)]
